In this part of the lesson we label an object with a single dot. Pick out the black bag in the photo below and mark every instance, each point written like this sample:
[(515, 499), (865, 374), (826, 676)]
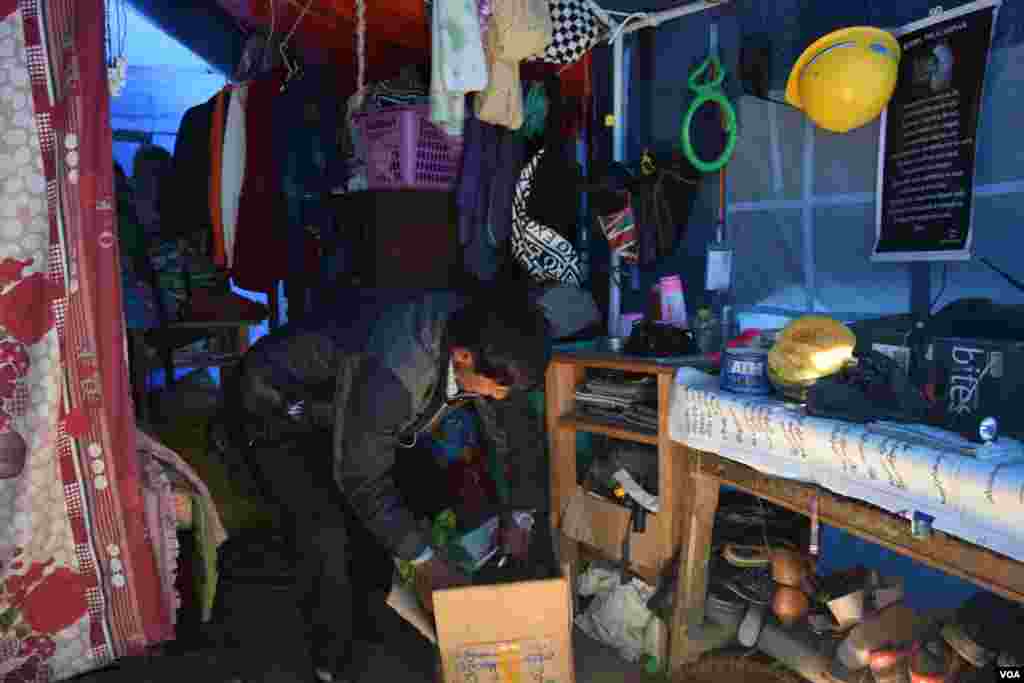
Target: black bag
[(876, 388), (545, 255), (555, 196), (650, 338)]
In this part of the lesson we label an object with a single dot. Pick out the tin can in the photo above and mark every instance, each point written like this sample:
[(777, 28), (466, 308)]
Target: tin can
[(745, 371), (921, 525)]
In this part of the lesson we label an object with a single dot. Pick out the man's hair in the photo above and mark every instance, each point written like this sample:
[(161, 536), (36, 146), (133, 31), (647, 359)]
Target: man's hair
[(507, 335)]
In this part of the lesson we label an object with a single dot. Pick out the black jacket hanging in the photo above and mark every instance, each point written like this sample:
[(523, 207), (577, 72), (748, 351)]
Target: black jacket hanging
[(555, 198)]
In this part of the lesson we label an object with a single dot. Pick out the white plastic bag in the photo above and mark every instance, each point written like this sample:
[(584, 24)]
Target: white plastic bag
[(618, 615)]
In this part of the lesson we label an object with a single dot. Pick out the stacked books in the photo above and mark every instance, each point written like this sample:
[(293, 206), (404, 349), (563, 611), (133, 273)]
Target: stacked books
[(633, 403)]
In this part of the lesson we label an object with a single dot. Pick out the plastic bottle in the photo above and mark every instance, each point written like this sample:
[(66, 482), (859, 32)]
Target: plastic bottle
[(673, 302)]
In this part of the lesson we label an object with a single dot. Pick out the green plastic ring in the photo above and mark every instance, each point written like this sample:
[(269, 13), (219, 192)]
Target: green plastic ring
[(730, 128)]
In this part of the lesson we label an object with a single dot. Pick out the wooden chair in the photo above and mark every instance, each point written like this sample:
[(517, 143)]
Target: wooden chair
[(171, 339)]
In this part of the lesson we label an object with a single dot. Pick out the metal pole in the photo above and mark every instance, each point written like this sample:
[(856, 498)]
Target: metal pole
[(618, 154), (655, 19)]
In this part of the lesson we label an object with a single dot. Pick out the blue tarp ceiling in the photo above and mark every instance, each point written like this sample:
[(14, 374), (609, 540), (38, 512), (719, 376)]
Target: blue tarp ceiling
[(787, 25)]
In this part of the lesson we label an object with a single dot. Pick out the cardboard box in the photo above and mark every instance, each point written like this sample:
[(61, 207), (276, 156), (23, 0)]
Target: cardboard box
[(601, 524), (508, 633)]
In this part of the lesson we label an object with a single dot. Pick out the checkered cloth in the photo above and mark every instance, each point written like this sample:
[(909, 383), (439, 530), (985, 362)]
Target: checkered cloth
[(577, 29)]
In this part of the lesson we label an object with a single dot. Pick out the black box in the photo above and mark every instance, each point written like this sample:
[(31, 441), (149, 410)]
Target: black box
[(972, 379)]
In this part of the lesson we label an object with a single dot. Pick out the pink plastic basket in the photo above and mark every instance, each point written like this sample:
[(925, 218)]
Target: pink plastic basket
[(405, 151)]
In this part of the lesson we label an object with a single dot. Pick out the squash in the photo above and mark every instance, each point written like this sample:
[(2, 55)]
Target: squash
[(809, 348)]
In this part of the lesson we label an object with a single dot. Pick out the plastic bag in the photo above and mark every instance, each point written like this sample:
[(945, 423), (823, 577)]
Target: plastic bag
[(618, 615)]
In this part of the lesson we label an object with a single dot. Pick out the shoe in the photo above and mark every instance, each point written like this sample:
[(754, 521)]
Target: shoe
[(753, 585), (746, 555), (750, 627)]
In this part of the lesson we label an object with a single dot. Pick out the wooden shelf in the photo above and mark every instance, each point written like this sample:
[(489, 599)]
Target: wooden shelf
[(636, 364), (612, 428), (983, 567)]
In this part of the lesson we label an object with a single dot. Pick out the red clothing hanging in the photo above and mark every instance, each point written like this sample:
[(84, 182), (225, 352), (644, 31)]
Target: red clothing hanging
[(216, 159), (260, 246)]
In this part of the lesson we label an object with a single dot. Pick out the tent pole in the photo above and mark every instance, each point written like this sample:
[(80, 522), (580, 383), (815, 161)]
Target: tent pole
[(618, 154), (651, 20)]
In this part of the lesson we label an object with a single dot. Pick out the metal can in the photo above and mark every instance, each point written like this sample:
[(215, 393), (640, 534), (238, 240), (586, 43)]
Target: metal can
[(921, 525), (745, 371)]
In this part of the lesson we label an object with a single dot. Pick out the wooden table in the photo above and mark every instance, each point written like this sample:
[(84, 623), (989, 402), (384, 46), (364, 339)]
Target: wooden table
[(689, 483), (236, 335)]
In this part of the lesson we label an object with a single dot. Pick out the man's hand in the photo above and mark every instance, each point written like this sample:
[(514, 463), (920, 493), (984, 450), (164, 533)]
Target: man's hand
[(515, 542), (515, 535), (434, 575)]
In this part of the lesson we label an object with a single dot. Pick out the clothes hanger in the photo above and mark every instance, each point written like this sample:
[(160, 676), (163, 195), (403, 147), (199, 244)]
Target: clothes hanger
[(292, 63)]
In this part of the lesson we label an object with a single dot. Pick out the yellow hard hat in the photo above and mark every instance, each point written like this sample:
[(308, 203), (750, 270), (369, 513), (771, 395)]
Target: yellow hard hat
[(845, 79)]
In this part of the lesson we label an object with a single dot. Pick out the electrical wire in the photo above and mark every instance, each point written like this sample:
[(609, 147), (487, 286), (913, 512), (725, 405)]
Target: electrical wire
[(273, 27), (360, 49)]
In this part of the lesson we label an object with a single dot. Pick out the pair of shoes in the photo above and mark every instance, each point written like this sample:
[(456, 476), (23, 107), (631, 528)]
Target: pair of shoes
[(754, 585), (750, 627), (739, 555)]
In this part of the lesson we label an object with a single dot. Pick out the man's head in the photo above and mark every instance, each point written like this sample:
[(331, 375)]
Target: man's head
[(499, 344)]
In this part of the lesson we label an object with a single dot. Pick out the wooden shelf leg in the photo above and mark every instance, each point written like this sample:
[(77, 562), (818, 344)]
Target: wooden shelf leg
[(569, 564), (699, 505)]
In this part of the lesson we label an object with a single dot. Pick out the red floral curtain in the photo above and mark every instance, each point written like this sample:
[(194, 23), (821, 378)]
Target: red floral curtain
[(78, 580)]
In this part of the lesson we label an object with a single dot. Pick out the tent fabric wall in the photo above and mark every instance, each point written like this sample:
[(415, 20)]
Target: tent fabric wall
[(202, 25), (802, 199)]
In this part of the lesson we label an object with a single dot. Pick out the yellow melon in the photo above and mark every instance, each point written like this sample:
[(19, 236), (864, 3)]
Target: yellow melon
[(809, 348)]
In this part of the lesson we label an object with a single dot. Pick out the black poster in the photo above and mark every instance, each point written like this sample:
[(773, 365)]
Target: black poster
[(927, 150)]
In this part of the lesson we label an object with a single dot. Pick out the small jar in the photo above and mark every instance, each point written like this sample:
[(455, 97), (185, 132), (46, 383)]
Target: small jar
[(708, 332)]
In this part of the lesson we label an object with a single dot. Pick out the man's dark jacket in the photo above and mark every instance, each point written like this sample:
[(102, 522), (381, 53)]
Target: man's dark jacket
[(374, 369)]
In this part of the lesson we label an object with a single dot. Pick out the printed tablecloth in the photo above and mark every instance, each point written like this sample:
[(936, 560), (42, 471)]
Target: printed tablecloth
[(978, 500)]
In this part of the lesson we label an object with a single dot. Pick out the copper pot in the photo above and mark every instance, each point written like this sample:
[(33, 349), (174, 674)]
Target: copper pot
[(790, 605), (790, 568)]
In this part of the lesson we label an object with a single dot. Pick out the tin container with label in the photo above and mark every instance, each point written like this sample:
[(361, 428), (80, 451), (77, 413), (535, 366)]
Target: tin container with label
[(745, 371)]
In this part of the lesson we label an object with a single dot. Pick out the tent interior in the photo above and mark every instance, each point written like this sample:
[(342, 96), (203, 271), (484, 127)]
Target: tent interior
[(800, 205)]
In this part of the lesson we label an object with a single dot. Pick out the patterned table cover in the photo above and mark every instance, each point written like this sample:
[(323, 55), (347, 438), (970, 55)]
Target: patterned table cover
[(978, 500)]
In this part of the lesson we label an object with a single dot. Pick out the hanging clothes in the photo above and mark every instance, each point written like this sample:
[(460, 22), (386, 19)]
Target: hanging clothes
[(260, 245), (186, 211), (215, 177), (233, 168), (457, 61), (555, 196), (492, 159), (306, 154), (662, 203)]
